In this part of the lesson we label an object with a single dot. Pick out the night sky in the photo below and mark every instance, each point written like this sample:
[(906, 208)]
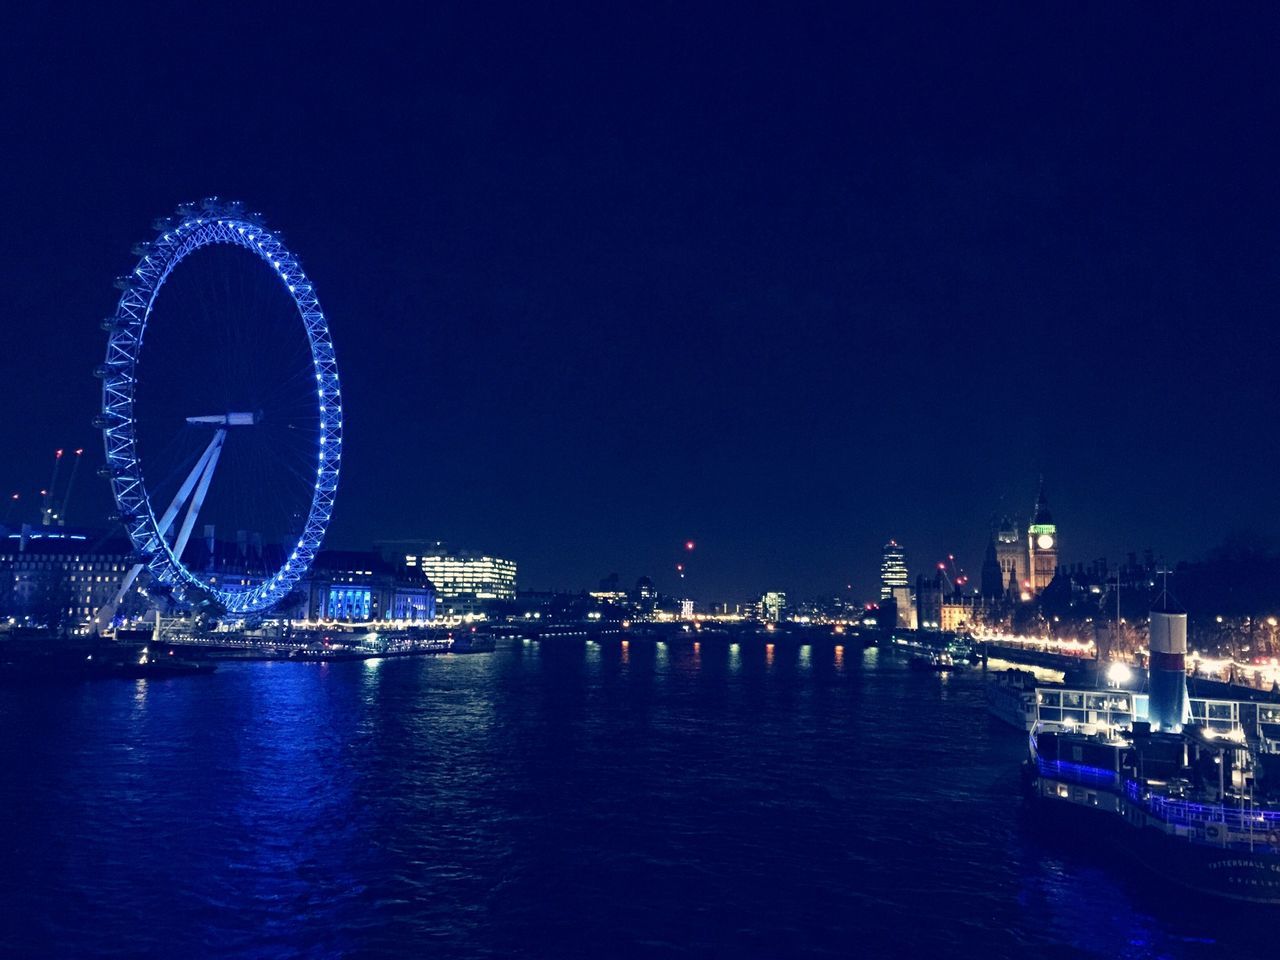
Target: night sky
[(788, 284)]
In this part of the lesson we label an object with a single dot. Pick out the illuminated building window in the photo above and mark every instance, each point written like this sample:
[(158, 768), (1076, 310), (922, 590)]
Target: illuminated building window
[(349, 603)]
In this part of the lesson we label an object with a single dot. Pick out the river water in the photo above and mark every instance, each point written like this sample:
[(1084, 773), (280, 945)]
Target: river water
[(561, 801)]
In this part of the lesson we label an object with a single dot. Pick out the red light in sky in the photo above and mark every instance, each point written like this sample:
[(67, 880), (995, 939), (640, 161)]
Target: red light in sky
[(688, 544)]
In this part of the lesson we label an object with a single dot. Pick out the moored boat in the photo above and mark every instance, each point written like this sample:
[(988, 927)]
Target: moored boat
[(1011, 697), (935, 662), (1189, 805)]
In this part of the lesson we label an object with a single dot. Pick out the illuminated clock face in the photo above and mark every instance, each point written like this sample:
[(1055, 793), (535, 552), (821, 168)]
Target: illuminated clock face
[(1044, 541)]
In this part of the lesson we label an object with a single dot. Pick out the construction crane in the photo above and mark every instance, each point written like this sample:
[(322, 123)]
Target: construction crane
[(53, 512), (953, 577), (689, 546), (61, 515), (947, 585), (958, 576), (46, 507)]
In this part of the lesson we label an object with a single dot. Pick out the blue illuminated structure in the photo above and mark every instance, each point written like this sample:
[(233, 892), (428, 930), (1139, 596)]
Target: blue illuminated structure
[(192, 228), (1081, 773), (349, 603)]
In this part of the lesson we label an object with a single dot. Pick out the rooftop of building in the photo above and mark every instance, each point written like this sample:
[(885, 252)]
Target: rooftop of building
[(396, 550), (367, 562), (52, 541)]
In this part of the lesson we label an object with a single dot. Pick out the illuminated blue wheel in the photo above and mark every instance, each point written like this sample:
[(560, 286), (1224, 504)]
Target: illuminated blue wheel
[(161, 537)]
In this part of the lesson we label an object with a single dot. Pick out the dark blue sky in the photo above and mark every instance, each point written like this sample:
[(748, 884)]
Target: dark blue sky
[(789, 284)]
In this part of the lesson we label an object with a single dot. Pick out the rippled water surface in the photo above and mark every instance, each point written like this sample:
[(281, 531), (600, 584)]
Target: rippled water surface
[(569, 801)]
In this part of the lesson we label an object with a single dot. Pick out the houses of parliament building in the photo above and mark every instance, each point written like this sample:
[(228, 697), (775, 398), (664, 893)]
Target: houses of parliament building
[(1019, 564)]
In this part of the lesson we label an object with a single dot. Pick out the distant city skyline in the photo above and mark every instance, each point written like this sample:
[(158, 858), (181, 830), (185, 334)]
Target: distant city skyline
[(865, 584)]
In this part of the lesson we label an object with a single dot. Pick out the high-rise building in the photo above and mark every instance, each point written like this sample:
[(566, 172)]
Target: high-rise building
[(893, 569), (1042, 545), (895, 583), (772, 606)]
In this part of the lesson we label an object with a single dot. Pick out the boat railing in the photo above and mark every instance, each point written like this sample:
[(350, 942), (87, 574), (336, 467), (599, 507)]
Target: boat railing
[(1080, 773), (1190, 814)]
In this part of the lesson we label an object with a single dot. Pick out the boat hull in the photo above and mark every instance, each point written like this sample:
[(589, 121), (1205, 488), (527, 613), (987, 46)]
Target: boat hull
[(1236, 874)]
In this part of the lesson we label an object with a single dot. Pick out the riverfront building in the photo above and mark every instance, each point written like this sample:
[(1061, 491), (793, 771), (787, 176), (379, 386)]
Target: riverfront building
[(361, 586), (950, 610), (1027, 559), (460, 573), (961, 612), (993, 580), (59, 577), (929, 597), (1013, 559), (773, 606)]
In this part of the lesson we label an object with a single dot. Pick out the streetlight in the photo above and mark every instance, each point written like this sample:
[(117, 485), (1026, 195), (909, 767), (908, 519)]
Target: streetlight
[(1118, 674)]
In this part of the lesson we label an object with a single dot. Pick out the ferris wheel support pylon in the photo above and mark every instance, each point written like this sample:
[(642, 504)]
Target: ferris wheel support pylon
[(202, 490), (198, 480)]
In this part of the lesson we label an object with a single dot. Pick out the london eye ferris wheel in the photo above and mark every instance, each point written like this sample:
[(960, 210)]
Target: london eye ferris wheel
[(220, 403)]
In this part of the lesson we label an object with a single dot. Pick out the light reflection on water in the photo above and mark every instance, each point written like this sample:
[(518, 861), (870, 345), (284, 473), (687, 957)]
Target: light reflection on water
[(691, 799)]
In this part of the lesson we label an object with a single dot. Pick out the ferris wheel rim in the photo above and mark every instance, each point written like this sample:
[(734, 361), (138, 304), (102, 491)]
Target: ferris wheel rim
[(177, 238)]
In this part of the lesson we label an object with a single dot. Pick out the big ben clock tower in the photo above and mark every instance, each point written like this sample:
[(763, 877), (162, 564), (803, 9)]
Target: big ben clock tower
[(1042, 544)]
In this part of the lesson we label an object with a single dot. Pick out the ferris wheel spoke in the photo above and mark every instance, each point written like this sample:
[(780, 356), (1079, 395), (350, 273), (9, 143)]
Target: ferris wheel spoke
[(283, 388)]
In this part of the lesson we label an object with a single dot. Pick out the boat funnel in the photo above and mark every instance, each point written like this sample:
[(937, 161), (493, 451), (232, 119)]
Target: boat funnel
[(1168, 666)]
